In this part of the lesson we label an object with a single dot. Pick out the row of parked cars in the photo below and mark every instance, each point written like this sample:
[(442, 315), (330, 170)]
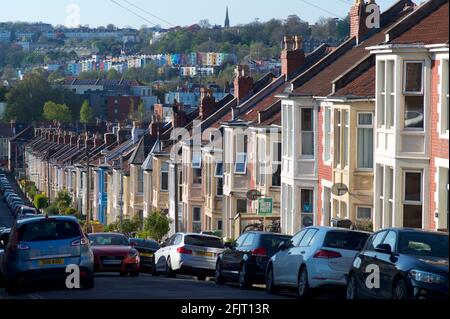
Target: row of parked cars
[(14, 201)]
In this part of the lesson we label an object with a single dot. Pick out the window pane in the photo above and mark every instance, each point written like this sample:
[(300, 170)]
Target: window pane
[(391, 240), (412, 216), (365, 119), (276, 177), (197, 214), (365, 148), (364, 213), (307, 200), (413, 187), (241, 206), (307, 120), (308, 143), (306, 240), (220, 187), (414, 115), (345, 143), (413, 81), (164, 181), (219, 169), (327, 134)]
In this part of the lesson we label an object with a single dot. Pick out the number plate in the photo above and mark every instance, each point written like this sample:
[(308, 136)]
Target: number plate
[(112, 262), (146, 255), (204, 254), (50, 262)]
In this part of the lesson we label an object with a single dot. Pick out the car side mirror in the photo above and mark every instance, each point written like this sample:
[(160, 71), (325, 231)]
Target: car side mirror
[(282, 246), (2, 244), (162, 244), (384, 248)]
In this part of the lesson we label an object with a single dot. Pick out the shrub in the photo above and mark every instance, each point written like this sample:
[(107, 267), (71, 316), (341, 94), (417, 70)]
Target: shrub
[(366, 225), (70, 211), (63, 200), (40, 201), (52, 210), (157, 225)]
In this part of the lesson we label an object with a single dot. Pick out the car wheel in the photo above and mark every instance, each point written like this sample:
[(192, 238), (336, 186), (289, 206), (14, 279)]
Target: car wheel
[(218, 277), (169, 272), (88, 283), (352, 290), (270, 285), (243, 278), (400, 292), (154, 273), (303, 290), (201, 277)]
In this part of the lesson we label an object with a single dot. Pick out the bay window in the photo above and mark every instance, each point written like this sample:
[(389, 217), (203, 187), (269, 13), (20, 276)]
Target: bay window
[(342, 138), (386, 95), (345, 135), (140, 181), (414, 96), (219, 176), (241, 155), (365, 141), (444, 112)]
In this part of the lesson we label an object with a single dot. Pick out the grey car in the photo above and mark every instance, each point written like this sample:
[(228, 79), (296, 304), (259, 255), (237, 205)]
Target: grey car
[(41, 248)]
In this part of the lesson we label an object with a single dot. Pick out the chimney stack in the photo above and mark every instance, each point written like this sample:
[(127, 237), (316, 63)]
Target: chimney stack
[(73, 140), (155, 126), (292, 56), (66, 138), (179, 116), (110, 138), (358, 19), (243, 83), (207, 104), (98, 141)]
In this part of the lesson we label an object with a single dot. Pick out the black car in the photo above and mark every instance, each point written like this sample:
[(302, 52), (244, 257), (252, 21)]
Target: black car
[(245, 261), (401, 264), (146, 249), (4, 238)]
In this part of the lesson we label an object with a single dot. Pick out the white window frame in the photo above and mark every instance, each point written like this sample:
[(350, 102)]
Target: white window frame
[(215, 169), (405, 63), (444, 99), (238, 156), (196, 160), (365, 207), (307, 156), (161, 177), (276, 162), (409, 202), (327, 154), (364, 126)]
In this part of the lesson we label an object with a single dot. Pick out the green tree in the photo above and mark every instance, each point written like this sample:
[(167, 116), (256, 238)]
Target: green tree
[(86, 113), (57, 112), (113, 75), (40, 201), (63, 201), (157, 225)]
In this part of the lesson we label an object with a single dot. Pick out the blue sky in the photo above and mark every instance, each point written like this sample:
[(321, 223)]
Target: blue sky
[(177, 12)]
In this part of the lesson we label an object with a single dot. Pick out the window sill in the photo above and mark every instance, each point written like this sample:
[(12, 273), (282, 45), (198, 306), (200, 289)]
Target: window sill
[(444, 136), (418, 132)]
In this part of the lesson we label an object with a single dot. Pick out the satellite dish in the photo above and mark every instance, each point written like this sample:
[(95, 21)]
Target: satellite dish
[(253, 194), (339, 189)]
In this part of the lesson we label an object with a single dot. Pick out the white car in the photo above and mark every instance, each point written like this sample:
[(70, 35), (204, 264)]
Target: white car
[(191, 254), (314, 257)]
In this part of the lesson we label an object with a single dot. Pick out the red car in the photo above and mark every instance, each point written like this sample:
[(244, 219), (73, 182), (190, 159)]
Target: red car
[(114, 253)]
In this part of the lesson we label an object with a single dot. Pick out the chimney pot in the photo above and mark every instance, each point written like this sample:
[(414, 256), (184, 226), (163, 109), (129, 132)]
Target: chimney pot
[(243, 83)]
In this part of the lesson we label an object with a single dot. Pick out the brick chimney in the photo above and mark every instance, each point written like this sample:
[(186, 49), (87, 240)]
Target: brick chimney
[(98, 141), (123, 134), (73, 140), (358, 17), (207, 103), (243, 83), (66, 138), (110, 138), (89, 142), (155, 126), (80, 142), (179, 115), (292, 56)]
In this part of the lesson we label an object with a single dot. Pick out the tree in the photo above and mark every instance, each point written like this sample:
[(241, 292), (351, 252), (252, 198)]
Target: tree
[(57, 112), (63, 201), (86, 113), (40, 201), (113, 75), (157, 225)]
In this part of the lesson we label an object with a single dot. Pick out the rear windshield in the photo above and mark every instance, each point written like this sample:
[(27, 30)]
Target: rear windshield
[(271, 242), (49, 230), (203, 241), (145, 243), (346, 240), (424, 244), (108, 240)]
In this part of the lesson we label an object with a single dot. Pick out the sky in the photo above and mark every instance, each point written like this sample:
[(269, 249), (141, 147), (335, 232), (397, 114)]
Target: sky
[(167, 13)]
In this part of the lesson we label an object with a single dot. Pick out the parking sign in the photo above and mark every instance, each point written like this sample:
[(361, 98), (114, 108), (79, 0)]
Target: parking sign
[(265, 206)]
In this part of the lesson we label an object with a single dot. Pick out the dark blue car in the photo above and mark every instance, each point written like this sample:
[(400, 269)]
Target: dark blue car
[(401, 264)]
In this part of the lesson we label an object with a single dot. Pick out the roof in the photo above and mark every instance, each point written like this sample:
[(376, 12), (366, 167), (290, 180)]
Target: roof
[(317, 81), (362, 86), (432, 29), (142, 150)]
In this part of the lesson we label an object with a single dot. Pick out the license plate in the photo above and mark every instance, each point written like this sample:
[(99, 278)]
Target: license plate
[(204, 254), (146, 255), (50, 262), (112, 262)]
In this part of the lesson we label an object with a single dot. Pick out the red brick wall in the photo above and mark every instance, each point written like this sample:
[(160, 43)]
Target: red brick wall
[(439, 147), (123, 107), (324, 171)]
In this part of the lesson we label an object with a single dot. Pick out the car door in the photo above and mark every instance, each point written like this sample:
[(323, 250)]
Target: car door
[(369, 262), (230, 254), (281, 260), (240, 252), (387, 264), (161, 254), (298, 256)]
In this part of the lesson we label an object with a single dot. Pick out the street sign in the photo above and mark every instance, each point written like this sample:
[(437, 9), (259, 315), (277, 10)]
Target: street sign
[(265, 206), (253, 194), (339, 189)]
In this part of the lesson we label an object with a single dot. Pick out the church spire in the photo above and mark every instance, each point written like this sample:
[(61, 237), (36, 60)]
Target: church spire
[(227, 19)]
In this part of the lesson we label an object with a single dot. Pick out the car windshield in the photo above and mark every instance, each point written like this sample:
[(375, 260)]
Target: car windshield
[(203, 241), (345, 240), (48, 230), (145, 243), (272, 242), (424, 244), (28, 211), (108, 240)]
